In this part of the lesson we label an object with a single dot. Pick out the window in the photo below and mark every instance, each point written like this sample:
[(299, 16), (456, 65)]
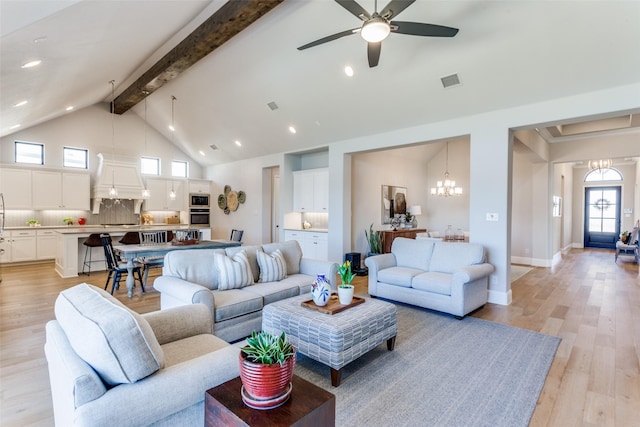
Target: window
[(179, 168), (29, 152), (150, 165), (75, 157), (609, 174)]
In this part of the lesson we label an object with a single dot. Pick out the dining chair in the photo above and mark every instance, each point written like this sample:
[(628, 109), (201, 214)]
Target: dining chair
[(115, 270), (236, 235), (152, 238)]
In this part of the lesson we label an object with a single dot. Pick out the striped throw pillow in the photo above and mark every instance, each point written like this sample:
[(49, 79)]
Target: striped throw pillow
[(273, 267), (233, 272)]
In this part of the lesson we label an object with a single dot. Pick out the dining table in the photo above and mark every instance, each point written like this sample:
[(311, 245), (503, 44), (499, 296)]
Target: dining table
[(130, 253)]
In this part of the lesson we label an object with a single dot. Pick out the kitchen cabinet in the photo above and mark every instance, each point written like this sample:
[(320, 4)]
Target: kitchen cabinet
[(60, 190), (313, 244), (311, 190), (15, 184), (18, 245), (159, 199), (199, 186), (45, 244)]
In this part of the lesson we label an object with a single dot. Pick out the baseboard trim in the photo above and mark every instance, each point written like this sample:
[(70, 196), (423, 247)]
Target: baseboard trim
[(499, 297)]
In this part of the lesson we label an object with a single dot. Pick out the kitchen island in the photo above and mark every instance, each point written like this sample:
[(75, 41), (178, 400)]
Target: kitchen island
[(70, 249)]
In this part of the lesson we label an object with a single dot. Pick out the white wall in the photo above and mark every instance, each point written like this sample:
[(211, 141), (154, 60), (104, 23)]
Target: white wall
[(91, 128), (521, 212)]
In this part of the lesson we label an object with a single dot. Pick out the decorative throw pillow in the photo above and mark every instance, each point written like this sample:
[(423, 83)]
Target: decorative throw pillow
[(117, 342), (273, 266), (233, 272)]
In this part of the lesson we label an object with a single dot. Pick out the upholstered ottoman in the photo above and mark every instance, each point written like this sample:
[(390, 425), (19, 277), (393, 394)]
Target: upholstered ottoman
[(333, 339)]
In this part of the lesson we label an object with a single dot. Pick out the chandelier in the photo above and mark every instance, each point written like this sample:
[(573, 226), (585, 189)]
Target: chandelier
[(447, 187), (600, 164)]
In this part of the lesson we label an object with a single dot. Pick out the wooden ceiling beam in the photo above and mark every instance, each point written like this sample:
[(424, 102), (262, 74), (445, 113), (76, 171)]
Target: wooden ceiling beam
[(233, 17)]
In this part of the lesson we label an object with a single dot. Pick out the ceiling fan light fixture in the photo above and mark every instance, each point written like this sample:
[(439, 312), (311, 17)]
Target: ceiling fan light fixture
[(375, 30)]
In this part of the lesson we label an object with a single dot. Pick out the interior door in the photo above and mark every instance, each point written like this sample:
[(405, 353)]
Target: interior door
[(602, 217)]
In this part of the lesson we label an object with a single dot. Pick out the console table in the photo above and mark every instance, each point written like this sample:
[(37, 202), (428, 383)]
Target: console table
[(389, 235), (309, 405)]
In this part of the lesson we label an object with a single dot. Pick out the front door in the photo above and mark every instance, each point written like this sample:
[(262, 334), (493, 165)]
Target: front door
[(602, 217)]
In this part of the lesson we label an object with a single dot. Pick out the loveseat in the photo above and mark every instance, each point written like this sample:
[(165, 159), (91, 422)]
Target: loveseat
[(109, 366), (236, 283), (444, 276)]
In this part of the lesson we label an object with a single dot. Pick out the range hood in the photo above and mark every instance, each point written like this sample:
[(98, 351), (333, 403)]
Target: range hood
[(122, 174)]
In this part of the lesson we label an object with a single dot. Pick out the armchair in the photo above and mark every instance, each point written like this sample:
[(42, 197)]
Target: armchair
[(630, 248), (111, 366)]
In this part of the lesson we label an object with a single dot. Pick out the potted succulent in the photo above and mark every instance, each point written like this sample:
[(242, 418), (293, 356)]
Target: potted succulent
[(345, 289), (375, 240), (33, 223), (266, 369)]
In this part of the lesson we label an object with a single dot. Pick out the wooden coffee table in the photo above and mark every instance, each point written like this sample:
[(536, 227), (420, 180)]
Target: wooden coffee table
[(309, 405)]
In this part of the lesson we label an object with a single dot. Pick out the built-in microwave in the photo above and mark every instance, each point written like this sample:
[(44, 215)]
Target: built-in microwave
[(198, 200)]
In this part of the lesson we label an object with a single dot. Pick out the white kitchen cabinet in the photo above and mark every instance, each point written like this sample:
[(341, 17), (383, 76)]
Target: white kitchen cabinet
[(76, 191), (5, 246), (15, 184), (199, 186), (19, 246), (50, 189), (159, 199), (311, 190), (313, 244), (45, 244)]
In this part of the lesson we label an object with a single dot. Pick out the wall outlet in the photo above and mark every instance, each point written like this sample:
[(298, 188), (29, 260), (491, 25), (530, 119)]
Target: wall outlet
[(492, 216)]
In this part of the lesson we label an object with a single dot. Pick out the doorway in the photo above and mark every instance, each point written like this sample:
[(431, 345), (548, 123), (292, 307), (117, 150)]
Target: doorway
[(601, 217)]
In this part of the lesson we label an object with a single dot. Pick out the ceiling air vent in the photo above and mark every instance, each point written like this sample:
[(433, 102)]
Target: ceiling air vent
[(273, 105), (450, 81), (214, 147)]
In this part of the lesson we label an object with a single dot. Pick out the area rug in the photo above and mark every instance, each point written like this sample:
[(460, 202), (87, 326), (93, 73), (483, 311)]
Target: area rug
[(443, 372), (517, 271)]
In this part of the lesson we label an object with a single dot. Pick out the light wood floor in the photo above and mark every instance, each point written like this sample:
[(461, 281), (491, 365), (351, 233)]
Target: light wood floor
[(589, 301)]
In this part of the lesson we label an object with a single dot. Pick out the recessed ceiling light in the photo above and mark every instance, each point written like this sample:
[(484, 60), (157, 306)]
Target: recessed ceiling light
[(40, 39), (69, 108), (201, 153), (14, 127), (292, 129), (32, 64), (238, 143), (348, 71), (21, 103), (171, 128)]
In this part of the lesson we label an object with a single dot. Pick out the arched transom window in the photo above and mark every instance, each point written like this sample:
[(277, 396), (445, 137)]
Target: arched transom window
[(609, 174)]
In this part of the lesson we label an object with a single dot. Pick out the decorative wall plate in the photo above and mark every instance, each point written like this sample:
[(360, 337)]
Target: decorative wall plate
[(227, 188), (222, 201), (232, 201), (242, 196)]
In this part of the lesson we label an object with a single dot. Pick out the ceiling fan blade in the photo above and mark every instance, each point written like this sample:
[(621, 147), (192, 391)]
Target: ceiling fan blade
[(355, 9), (395, 7), (329, 38), (420, 29), (373, 53)]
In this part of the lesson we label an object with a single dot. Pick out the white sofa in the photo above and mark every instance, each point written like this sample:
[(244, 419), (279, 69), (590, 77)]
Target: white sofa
[(191, 276), (109, 366), (444, 276)]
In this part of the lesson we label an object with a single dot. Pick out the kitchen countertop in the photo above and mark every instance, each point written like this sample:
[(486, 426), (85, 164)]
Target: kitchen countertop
[(120, 228), (312, 230), (104, 227)]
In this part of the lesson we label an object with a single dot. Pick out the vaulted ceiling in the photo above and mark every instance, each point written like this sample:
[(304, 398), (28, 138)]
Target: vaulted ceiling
[(506, 54)]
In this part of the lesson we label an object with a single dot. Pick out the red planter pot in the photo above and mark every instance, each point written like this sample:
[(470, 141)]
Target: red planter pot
[(265, 382)]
